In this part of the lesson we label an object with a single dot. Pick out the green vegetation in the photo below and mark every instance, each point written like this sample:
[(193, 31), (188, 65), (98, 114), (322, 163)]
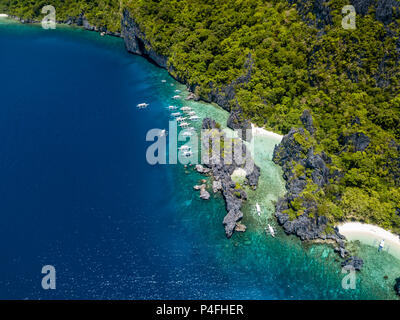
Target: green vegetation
[(340, 75)]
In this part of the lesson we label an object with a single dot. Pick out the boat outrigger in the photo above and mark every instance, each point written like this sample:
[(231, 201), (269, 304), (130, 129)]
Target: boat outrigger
[(172, 108), (176, 97), (186, 133), (184, 124), (142, 105), (184, 148), (186, 109), (258, 208), (176, 114), (194, 118)]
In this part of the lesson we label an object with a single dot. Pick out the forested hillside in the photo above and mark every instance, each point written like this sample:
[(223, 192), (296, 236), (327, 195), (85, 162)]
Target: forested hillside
[(283, 57)]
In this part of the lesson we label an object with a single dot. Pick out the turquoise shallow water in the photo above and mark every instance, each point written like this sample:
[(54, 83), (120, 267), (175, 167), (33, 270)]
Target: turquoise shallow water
[(79, 194)]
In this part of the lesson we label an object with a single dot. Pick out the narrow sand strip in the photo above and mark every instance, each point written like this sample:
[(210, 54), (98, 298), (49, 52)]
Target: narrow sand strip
[(257, 131), (3, 15), (371, 235)]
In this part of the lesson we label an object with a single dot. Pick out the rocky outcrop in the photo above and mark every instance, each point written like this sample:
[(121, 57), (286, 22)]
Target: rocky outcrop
[(357, 141), (385, 10), (354, 263), (301, 166), (204, 193), (341, 251), (319, 8), (240, 227), (217, 186), (237, 121), (136, 42), (307, 121), (224, 95), (200, 169), (221, 172)]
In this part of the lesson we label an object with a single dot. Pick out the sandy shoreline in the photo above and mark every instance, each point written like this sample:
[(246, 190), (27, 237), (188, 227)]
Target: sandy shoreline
[(371, 235), (3, 15), (257, 131)]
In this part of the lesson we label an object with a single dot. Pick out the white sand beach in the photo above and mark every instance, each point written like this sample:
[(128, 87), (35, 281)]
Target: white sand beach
[(371, 235), (3, 15), (257, 131)]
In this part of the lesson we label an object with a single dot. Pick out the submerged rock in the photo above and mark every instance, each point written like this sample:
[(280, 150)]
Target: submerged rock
[(200, 169), (341, 251), (240, 227), (204, 193), (397, 286), (353, 262)]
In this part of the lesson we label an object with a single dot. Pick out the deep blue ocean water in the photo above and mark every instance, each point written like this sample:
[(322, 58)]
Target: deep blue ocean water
[(77, 193)]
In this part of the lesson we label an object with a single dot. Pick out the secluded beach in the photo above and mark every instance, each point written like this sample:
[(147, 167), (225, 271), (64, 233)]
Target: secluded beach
[(257, 131), (371, 235), (3, 15)]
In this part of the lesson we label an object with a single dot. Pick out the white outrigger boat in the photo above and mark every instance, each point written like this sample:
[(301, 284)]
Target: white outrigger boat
[(163, 81), (181, 119), (176, 114), (191, 113), (258, 208), (172, 108), (194, 118), (187, 133), (142, 105), (184, 124), (186, 109), (271, 230), (176, 97), (184, 148)]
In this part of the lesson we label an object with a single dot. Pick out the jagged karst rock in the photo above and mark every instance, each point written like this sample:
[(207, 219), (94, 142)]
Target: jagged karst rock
[(341, 251), (217, 186), (307, 121), (319, 8), (385, 10), (353, 262), (308, 225), (359, 141), (236, 121), (221, 172), (223, 96), (135, 40), (230, 220)]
